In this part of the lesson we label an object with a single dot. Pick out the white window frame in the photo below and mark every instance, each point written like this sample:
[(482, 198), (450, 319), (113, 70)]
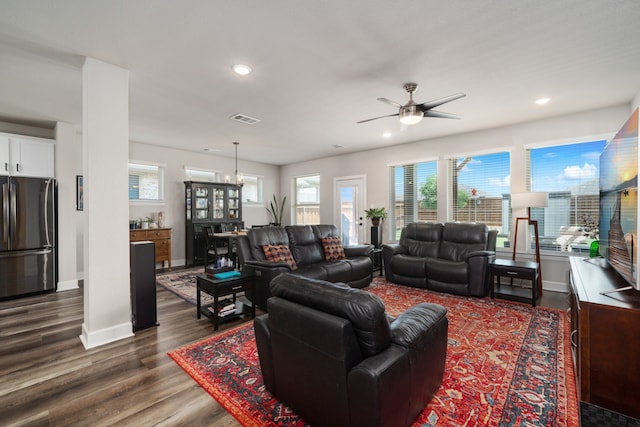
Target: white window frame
[(505, 189), (160, 170), (201, 175), (555, 243), (247, 180), (303, 204)]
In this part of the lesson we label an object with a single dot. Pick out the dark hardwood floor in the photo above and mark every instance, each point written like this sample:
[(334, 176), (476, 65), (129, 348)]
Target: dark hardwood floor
[(47, 378)]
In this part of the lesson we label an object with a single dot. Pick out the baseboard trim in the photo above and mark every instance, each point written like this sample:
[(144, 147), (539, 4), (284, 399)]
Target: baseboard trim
[(67, 285), (105, 336), (555, 286)]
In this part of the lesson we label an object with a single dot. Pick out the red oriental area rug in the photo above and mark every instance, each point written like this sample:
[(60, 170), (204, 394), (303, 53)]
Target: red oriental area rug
[(507, 365)]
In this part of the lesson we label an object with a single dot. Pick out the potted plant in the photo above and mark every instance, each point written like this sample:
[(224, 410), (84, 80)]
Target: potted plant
[(276, 210), (376, 215)]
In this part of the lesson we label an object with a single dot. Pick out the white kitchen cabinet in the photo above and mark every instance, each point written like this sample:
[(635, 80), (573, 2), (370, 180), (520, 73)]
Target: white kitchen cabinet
[(27, 156), (4, 155)]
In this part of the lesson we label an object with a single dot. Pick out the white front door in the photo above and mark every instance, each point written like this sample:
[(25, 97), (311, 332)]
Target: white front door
[(349, 209)]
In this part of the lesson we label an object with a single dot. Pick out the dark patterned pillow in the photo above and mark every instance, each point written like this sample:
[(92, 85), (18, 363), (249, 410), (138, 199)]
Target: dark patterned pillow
[(279, 253), (333, 250)]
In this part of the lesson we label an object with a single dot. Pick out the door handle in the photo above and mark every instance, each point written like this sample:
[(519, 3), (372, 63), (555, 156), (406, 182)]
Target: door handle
[(5, 211)]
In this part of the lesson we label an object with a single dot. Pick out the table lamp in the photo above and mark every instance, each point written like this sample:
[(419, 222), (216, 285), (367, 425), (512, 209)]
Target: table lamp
[(529, 200)]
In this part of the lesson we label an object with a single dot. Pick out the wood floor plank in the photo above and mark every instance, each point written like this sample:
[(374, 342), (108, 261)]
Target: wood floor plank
[(47, 377)]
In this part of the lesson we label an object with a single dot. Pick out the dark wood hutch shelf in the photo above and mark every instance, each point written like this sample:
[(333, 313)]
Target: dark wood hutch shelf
[(209, 203), (605, 337)]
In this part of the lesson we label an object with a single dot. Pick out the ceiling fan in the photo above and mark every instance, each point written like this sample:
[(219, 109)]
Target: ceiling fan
[(412, 113)]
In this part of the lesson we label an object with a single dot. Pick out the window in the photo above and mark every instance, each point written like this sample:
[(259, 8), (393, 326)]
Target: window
[(413, 195), (201, 175), (479, 188), (570, 175), (252, 189), (146, 182), (307, 193)]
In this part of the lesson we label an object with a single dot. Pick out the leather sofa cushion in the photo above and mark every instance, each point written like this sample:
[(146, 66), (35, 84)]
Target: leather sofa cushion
[(266, 236), (409, 266), (364, 310), (305, 245), (447, 271), (422, 239), (460, 239)]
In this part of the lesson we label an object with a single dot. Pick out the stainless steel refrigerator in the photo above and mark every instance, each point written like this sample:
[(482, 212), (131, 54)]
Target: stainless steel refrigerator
[(27, 235)]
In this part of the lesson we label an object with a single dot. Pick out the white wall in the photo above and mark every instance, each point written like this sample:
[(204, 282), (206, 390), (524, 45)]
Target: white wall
[(585, 126), (174, 162)]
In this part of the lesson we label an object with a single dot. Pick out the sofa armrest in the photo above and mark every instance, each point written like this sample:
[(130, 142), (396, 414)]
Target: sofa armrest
[(394, 249), (478, 272), (407, 330), (264, 272), (265, 265), (353, 251), (474, 254), (379, 388)]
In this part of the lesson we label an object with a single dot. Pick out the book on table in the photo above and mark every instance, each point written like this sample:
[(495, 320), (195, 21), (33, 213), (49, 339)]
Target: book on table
[(225, 308)]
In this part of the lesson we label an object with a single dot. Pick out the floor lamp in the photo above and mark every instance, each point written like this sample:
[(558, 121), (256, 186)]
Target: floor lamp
[(529, 200)]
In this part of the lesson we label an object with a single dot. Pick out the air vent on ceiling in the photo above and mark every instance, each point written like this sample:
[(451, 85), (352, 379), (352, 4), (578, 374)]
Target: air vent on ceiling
[(244, 119)]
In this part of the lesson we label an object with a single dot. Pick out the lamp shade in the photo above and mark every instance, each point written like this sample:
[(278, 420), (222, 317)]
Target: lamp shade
[(529, 200)]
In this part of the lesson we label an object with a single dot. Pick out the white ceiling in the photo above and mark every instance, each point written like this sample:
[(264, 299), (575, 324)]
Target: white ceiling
[(318, 66)]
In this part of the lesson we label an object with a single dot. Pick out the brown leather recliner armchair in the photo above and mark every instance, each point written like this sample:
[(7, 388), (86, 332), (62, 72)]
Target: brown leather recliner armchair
[(331, 353)]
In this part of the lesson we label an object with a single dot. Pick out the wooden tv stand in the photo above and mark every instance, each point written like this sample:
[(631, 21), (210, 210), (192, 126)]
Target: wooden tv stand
[(605, 337)]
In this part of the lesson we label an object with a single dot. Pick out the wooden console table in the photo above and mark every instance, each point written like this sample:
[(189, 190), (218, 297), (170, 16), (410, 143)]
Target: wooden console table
[(605, 337), (161, 237)]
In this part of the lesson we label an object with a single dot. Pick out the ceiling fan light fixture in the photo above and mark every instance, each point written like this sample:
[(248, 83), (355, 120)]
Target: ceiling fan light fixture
[(411, 116)]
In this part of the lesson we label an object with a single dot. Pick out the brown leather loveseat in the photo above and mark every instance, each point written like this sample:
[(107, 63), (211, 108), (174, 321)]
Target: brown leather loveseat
[(331, 353)]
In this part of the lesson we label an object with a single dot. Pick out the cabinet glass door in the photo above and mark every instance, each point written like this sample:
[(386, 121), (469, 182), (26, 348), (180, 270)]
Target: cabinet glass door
[(188, 202), (202, 202), (234, 195), (218, 203)]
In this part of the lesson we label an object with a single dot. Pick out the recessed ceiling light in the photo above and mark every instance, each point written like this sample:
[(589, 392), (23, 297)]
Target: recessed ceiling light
[(387, 135), (241, 69), (542, 101)]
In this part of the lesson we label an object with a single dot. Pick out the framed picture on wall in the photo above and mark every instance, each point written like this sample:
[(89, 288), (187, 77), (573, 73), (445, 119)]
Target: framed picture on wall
[(79, 193)]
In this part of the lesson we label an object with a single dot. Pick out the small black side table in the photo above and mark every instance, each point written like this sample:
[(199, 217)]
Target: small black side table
[(376, 257), (222, 287), (524, 270)]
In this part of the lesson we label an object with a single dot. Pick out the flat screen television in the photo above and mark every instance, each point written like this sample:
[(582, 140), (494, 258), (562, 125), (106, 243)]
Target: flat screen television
[(619, 201)]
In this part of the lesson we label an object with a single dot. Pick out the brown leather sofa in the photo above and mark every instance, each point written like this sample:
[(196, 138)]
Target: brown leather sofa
[(305, 244), (332, 354), (452, 257)]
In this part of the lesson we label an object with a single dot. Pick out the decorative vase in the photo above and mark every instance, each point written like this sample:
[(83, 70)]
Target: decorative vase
[(594, 249), (375, 221)]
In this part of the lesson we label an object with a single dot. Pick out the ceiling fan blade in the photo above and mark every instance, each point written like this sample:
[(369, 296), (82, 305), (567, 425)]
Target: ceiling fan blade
[(376, 118), (441, 115), (390, 102), (436, 102)]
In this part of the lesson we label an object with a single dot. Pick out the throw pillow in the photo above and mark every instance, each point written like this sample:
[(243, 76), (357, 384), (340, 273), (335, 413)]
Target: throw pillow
[(279, 253), (333, 250)]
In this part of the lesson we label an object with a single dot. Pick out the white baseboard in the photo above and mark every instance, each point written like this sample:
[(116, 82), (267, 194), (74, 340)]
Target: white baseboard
[(67, 285), (548, 285), (105, 336)]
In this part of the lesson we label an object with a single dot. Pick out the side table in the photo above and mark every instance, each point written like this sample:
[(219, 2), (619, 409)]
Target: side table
[(524, 270), (376, 257), (223, 287)]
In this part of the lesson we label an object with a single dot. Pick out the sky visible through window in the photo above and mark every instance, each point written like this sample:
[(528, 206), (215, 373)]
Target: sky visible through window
[(563, 167)]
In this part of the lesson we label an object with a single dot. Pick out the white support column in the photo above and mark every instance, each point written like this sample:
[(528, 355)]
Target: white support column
[(105, 144)]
